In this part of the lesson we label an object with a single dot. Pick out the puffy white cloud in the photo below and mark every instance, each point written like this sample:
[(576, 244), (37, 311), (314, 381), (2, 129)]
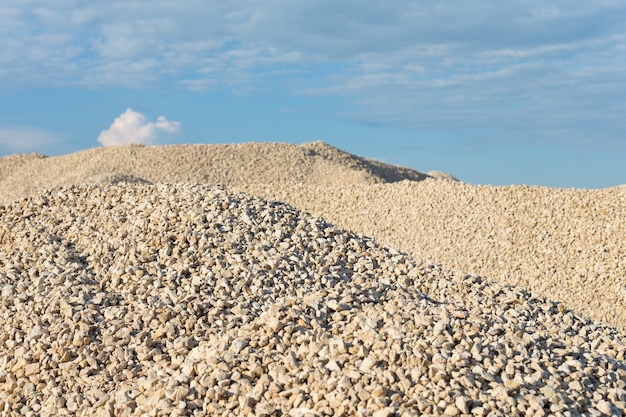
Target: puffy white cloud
[(134, 127)]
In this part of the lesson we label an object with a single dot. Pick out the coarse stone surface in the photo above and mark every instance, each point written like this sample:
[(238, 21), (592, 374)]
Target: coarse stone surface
[(132, 299), (277, 163), (566, 245)]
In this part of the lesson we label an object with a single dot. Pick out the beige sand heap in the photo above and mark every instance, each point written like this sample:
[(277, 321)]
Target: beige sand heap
[(276, 163), (134, 299)]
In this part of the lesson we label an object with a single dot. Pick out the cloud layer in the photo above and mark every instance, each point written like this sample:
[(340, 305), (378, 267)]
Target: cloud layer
[(133, 127), (26, 139), (516, 71)]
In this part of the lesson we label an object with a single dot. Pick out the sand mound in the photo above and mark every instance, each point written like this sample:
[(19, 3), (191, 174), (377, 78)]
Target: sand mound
[(277, 163), (132, 299)]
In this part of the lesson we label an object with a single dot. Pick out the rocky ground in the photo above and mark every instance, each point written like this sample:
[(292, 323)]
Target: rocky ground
[(268, 163), (128, 296), (135, 299), (567, 245)]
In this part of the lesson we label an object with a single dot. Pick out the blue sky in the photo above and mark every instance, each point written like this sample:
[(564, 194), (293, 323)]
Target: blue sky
[(516, 92)]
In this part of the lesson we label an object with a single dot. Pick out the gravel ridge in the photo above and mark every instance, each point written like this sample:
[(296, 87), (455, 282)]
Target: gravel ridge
[(566, 245), (135, 299), (278, 163), (563, 244)]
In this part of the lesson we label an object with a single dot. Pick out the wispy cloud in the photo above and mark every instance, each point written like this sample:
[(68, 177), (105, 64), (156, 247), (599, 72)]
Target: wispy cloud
[(525, 70), (133, 127), (22, 139)]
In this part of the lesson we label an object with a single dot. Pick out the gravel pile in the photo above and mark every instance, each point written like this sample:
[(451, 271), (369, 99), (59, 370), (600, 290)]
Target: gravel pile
[(276, 163), (132, 299), (567, 245)]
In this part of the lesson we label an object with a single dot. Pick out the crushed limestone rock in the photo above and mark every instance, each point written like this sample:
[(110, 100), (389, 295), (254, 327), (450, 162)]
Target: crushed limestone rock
[(130, 299), (277, 163), (567, 245)]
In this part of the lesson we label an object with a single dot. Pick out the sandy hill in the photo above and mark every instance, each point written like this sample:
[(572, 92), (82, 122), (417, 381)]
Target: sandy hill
[(278, 163)]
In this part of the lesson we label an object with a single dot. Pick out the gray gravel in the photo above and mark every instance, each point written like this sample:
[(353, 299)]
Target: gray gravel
[(133, 299)]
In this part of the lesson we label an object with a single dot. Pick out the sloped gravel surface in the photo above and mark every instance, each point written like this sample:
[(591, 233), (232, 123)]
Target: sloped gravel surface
[(567, 245), (276, 163), (134, 299)]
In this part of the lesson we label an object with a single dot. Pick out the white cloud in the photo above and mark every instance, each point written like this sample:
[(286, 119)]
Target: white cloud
[(543, 67), (130, 43), (22, 139), (133, 127)]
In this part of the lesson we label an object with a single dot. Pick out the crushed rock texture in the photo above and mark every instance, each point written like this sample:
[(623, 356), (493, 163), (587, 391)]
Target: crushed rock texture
[(277, 163), (131, 299), (568, 245)]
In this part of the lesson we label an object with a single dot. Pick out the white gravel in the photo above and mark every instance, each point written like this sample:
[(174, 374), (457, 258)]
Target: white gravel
[(276, 163), (120, 297), (568, 245), (135, 299)]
